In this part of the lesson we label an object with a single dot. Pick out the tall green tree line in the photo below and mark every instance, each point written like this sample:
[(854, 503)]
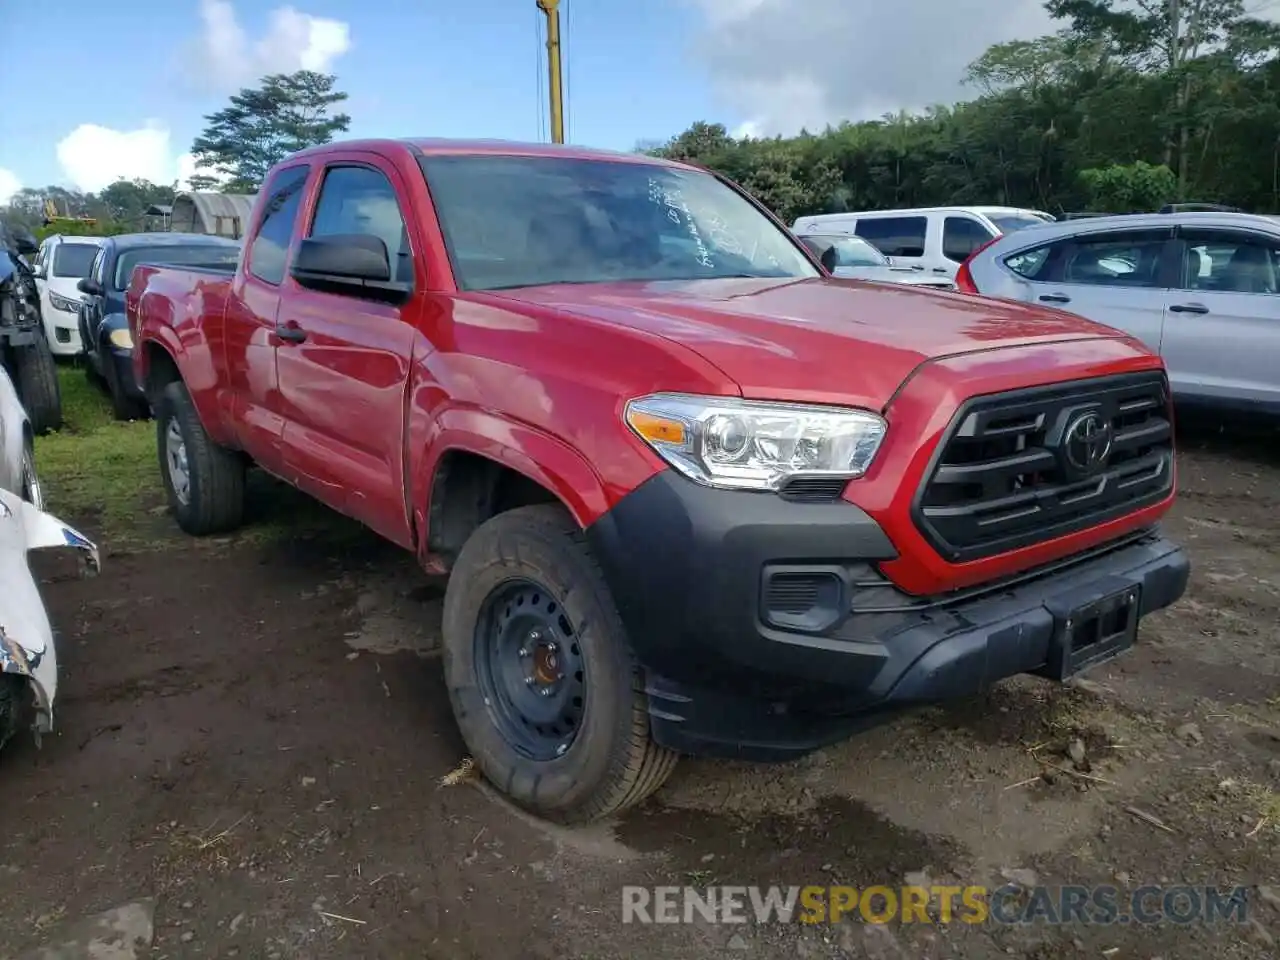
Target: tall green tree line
[(1128, 104)]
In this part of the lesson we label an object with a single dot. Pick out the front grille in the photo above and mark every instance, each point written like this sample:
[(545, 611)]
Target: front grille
[(1015, 469)]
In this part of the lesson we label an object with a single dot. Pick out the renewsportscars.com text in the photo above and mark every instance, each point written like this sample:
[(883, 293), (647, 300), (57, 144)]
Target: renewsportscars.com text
[(1011, 904)]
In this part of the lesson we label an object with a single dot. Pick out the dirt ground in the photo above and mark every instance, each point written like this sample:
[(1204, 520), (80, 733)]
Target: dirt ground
[(251, 739)]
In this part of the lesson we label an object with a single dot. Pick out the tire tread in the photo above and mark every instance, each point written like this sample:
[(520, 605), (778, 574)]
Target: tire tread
[(638, 766), (218, 474)]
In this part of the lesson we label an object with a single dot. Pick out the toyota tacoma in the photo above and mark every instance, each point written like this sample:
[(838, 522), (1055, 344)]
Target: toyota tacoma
[(693, 494)]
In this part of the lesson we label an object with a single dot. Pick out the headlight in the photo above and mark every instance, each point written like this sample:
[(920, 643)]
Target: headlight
[(753, 445), (64, 303), (121, 338)]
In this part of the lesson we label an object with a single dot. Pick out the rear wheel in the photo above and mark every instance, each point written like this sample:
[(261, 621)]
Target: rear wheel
[(204, 482), (545, 689), (36, 376)]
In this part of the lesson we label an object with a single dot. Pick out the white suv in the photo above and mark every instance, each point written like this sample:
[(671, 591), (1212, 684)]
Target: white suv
[(61, 264)]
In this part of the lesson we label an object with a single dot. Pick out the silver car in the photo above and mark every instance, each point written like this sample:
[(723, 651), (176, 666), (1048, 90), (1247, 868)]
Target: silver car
[(1201, 289), (848, 256)]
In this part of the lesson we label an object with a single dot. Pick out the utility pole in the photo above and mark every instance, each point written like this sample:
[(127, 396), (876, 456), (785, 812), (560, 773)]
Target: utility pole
[(551, 10)]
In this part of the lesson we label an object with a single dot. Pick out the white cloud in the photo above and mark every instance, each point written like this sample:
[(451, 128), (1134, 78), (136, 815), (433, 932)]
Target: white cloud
[(9, 185), (93, 157), (227, 57), (788, 64)]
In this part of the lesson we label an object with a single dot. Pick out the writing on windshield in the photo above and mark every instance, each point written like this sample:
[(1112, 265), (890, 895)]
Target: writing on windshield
[(512, 221)]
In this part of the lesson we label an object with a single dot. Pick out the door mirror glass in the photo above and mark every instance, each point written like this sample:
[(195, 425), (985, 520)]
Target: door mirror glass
[(90, 287)]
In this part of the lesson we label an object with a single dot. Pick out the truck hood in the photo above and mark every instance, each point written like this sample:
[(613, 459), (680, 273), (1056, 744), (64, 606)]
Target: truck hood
[(815, 340)]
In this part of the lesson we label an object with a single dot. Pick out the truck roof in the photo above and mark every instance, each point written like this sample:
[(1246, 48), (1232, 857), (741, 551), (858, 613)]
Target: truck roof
[(438, 146)]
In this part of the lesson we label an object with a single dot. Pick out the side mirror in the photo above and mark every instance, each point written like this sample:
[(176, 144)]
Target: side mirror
[(356, 264), (90, 287), (26, 245), (38, 271)]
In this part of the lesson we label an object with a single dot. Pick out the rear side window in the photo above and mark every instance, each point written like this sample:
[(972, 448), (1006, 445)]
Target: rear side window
[(895, 236), (271, 245), (1129, 258), (961, 236)]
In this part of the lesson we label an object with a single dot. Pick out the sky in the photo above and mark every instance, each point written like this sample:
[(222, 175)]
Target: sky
[(635, 70)]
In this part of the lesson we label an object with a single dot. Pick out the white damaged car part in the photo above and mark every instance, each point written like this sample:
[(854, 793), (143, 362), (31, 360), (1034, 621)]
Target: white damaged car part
[(27, 657)]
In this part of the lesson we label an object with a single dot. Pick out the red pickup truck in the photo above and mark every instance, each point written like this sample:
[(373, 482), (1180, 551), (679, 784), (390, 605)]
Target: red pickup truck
[(694, 495)]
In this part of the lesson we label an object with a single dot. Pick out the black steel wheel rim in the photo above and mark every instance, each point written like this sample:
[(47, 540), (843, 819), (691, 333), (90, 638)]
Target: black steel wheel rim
[(530, 670)]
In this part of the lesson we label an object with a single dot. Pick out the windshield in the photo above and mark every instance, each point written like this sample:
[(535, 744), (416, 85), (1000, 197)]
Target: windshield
[(846, 252), (525, 221), (1009, 222), (73, 259), (202, 253)]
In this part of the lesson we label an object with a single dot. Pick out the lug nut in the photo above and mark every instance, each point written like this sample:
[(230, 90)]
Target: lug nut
[(523, 652), (528, 681), (535, 636)]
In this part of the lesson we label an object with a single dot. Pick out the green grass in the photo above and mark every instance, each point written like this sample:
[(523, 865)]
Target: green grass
[(104, 476), (95, 470)]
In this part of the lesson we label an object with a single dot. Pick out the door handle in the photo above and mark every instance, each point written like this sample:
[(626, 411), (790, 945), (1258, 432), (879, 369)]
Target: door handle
[(1055, 298), (290, 332), (1189, 308), (939, 269)]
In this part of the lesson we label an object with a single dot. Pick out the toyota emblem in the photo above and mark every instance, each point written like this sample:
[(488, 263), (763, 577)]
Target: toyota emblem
[(1087, 442)]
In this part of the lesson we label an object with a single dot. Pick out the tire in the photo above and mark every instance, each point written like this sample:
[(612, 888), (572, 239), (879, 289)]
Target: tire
[(11, 690), (123, 406), (608, 762), (32, 491), (212, 499), (37, 383)]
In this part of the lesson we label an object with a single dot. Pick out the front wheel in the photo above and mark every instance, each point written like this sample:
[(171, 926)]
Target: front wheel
[(36, 376), (204, 482), (541, 677), (123, 406)]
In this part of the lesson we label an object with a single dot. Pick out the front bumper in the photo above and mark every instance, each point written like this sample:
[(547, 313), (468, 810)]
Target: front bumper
[(767, 631), (122, 361), (63, 333)]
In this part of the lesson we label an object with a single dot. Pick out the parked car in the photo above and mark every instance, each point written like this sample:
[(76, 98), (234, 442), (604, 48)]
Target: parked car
[(934, 239), (108, 344), (856, 259), (28, 657), (24, 349), (709, 501), (17, 446), (1201, 289), (61, 263)]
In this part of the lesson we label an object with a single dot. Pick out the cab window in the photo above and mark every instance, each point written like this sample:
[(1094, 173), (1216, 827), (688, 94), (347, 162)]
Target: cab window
[(361, 200)]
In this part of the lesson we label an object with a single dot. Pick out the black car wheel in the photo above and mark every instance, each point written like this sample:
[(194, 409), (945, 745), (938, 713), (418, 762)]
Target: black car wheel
[(541, 677), (204, 481), (123, 406), (36, 377)]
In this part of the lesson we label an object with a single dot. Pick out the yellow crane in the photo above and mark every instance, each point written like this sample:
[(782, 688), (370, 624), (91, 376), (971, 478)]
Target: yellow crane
[(551, 10), (53, 215)]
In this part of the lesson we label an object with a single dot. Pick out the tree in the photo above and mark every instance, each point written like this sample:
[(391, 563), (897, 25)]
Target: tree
[(263, 125), (1136, 188), (127, 200)]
